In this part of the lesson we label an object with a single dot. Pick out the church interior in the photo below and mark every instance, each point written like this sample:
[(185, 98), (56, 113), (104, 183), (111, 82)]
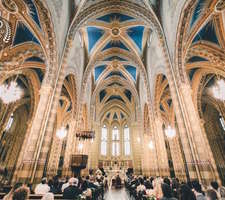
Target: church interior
[(112, 85)]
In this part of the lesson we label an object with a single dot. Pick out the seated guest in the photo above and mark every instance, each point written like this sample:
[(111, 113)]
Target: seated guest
[(186, 193), (29, 185), (88, 194), (72, 191), (215, 186), (175, 187), (10, 194), (48, 196), (66, 184), (167, 181), (97, 182), (53, 189), (167, 192), (198, 190), (148, 184), (22, 193), (141, 186), (149, 189), (42, 188), (211, 195), (90, 183), (222, 192), (158, 188), (84, 185)]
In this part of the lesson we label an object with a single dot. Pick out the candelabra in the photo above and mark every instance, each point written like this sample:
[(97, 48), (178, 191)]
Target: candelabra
[(85, 135)]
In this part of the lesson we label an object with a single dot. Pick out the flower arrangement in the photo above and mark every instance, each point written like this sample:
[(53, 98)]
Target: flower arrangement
[(152, 197)]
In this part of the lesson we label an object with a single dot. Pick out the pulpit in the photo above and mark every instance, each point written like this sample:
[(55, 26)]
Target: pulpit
[(78, 162)]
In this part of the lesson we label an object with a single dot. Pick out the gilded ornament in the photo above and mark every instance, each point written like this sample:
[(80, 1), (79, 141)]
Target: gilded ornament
[(220, 6), (10, 5), (5, 31)]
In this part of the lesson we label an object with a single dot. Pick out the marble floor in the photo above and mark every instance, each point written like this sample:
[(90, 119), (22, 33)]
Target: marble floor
[(119, 194)]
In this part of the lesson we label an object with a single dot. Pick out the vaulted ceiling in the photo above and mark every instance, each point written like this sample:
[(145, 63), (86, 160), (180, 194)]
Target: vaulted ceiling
[(116, 41)]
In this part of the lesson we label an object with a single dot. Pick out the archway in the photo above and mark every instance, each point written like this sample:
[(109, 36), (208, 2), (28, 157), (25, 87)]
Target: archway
[(164, 109), (16, 116)]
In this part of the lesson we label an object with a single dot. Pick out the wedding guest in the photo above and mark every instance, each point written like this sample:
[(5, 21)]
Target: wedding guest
[(10, 194), (42, 188), (22, 193)]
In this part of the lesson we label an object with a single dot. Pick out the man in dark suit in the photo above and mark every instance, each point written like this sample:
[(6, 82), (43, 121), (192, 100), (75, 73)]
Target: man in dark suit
[(72, 191)]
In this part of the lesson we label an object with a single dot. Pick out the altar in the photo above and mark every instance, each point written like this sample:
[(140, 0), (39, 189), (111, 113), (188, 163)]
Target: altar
[(115, 164), (114, 167)]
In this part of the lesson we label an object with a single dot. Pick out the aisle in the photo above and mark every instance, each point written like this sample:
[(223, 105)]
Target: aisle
[(113, 194)]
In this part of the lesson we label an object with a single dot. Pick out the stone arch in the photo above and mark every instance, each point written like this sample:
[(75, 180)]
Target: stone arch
[(184, 37)]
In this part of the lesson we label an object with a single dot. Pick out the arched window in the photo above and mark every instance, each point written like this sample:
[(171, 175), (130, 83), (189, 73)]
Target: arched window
[(104, 141), (9, 123), (126, 140), (115, 142)]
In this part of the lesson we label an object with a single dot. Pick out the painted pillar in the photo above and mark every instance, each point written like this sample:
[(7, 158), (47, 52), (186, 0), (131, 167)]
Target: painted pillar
[(186, 146), (67, 171), (149, 157), (30, 153), (160, 148), (95, 148), (177, 158), (54, 155), (204, 160), (197, 154), (136, 147), (33, 157)]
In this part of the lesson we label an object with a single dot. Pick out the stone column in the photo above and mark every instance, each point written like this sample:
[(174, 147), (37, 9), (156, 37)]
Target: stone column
[(149, 156), (136, 147), (69, 149), (145, 155), (177, 158), (160, 147), (186, 144), (95, 147), (121, 136), (30, 152), (197, 154), (6, 111), (203, 154), (54, 156), (109, 147)]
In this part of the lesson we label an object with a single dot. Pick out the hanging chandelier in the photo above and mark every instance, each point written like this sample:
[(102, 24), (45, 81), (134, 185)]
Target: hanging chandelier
[(218, 90), (61, 133), (80, 146), (10, 92), (170, 132), (85, 135), (151, 145)]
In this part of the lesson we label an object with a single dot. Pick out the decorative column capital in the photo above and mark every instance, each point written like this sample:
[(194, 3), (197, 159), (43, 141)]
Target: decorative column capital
[(202, 121)]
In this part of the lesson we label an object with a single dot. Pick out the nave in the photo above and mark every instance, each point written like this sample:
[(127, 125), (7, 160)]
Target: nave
[(119, 194), (133, 86)]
